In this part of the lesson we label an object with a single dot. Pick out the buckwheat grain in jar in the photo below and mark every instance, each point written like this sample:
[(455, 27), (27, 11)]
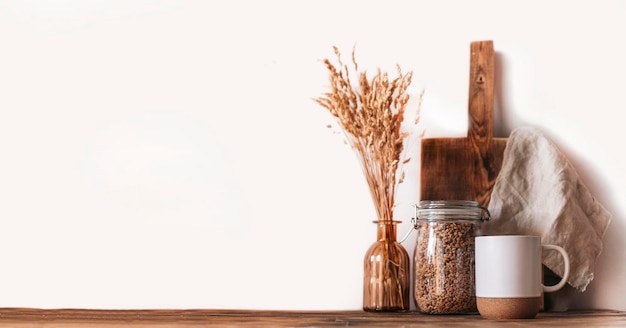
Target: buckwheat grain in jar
[(443, 260)]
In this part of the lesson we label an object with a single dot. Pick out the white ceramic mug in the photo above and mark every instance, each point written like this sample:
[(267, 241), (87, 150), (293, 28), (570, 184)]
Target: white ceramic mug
[(509, 275)]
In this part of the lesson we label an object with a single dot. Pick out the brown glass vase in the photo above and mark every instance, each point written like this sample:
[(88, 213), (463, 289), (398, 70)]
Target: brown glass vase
[(386, 276)]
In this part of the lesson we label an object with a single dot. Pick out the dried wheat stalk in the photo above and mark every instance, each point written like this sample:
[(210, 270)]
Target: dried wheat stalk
[(371, 115)]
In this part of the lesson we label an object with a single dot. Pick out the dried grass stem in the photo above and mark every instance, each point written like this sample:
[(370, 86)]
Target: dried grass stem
[(371, 115)]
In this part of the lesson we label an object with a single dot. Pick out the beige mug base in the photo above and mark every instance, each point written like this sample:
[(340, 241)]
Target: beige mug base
[(508, 307)]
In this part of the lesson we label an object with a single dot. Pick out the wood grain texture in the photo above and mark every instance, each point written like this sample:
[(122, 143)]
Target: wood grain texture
[(26, 318), (466, 168)]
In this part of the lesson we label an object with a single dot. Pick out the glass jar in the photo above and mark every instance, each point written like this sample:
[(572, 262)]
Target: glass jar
[(386, 276), (443, 261)]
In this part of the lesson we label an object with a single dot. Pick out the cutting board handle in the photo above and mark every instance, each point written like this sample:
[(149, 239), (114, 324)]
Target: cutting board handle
[(481, 88), (466, 168)]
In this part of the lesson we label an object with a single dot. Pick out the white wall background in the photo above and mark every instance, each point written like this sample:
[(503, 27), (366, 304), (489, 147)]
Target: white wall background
[(161, 154)]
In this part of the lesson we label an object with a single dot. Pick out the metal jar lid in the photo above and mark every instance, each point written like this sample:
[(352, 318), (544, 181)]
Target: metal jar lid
[(451, 209)]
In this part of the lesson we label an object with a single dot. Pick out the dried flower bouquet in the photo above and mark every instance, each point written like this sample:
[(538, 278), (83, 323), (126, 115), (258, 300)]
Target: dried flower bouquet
[(371, 116)]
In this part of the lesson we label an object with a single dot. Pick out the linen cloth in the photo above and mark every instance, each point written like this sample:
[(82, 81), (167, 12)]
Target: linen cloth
[(538, 192)]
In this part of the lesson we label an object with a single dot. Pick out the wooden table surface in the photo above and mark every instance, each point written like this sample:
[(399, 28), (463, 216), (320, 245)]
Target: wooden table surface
[(25, 318)]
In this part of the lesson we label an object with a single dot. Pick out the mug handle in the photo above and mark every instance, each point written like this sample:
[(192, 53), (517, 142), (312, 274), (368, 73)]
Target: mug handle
[(554, 288)]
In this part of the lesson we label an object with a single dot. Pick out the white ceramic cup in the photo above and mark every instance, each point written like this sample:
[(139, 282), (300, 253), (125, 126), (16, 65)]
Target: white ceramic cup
[(509, 275)]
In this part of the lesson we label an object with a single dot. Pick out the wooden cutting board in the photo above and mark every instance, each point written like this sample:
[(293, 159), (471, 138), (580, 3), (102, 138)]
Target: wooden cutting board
[(466, 168)]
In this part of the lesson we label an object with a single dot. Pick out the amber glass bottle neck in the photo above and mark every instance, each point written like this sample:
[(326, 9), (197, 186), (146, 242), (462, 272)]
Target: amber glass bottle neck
[(386, 230)]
